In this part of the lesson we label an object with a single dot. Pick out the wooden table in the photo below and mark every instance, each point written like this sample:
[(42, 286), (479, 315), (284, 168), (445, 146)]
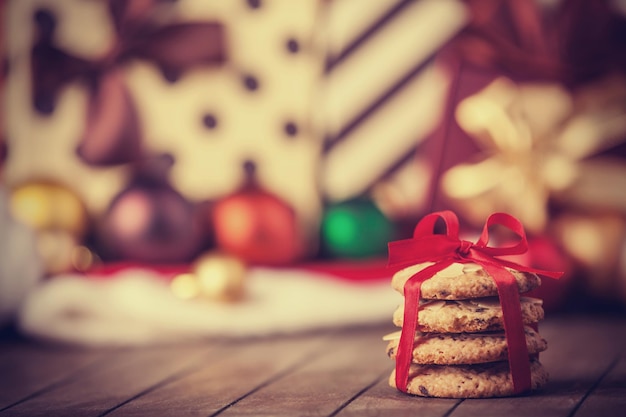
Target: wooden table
[(339, 372)]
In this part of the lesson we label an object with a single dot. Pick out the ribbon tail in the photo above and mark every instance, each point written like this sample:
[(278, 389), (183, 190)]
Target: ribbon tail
[(112, 133), (52, 69), (412, 292), (180, 47), (519, 362), (478, 257), (125, 12)]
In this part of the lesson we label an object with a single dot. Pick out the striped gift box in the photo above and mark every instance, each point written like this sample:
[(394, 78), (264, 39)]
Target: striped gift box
[(383, 94)]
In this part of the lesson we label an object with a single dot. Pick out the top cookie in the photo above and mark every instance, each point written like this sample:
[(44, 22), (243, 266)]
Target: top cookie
[(460, 282)]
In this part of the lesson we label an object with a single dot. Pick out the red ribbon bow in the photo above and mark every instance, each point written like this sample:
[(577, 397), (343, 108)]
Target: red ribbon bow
[(444, 250)]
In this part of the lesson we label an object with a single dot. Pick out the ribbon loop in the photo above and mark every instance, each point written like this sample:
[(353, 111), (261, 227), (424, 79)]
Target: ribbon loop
[(427, 225), (509, 222)]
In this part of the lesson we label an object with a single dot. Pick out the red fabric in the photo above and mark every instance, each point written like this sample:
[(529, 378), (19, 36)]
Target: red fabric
[(367, 270), (110, 269), (445, 249)]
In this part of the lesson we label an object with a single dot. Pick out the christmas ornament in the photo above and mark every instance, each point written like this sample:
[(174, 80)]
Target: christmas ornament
[(49, 206), (151, 223), (355, 229), (257, 227), (545, 253), (214, 276), (594, 242), (59, 218)]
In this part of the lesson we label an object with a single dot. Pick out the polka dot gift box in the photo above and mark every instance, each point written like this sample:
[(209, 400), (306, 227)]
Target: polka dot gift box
[(136, 104)]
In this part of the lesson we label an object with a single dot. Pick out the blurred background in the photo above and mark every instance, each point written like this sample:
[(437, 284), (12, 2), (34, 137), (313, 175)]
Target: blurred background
[(193, 136)]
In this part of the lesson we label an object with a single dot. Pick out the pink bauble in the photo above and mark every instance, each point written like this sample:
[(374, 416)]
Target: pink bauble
[(152, 224)]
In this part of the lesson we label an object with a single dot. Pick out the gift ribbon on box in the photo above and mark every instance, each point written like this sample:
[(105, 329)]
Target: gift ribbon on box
[(112, 119), (445, 249)]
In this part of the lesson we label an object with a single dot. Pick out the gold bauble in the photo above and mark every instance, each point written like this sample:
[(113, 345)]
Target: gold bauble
[(214, 276), (221, 276), (45, 206)]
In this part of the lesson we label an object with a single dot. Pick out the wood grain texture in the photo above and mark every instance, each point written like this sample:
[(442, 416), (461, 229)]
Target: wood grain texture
[(224, 379), (579, 352), (337, 372), (28, 369), (112, 381), (608, 398), (383, 400), (348, 362)]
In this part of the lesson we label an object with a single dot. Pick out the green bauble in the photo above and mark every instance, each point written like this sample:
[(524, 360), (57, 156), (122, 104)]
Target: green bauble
[(355, 229)]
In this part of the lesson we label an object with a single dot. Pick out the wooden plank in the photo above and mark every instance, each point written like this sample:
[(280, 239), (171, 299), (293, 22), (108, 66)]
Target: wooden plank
[(349, 362), (28, 368), (226, 377), (609, 398), (117, 378), (579, 352), (383, 400)]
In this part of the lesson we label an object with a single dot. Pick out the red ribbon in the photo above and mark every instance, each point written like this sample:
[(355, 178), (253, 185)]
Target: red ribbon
[(446, 249)]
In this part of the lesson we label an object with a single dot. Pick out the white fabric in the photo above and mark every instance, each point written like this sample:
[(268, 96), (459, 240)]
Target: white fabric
[(20, 265), (137, 307)]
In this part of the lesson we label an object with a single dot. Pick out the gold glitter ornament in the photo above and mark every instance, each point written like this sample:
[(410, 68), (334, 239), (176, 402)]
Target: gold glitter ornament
[(59, 219), (214, 276), (536, 138), (45, 206), (220, 276)]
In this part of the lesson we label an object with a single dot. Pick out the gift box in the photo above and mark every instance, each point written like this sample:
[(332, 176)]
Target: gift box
[(160, 109), (535, 127), (188, 117)]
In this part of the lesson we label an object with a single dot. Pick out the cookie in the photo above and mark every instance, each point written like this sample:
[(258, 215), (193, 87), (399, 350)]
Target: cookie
[(467, 381), (471, 316), (461, 281), (463, 348)]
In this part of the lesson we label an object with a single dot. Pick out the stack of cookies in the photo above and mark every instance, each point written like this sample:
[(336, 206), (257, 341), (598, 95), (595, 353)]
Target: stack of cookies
[(460, 350)]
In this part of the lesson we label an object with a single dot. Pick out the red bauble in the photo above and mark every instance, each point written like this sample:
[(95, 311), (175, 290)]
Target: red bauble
[(543, 253), (257, 227), (151, 224)]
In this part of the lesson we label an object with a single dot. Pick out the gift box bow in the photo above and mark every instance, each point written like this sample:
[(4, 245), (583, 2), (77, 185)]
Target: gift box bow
[(443, 250), (112, 117)]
